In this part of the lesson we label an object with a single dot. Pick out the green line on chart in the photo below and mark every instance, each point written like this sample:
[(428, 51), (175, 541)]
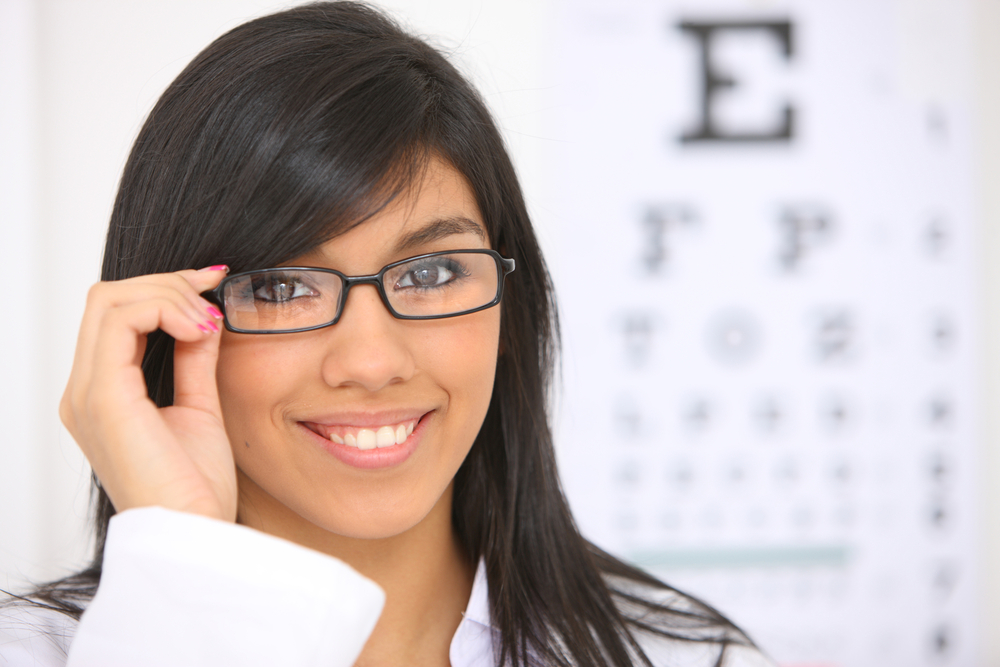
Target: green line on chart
[(742, 557)]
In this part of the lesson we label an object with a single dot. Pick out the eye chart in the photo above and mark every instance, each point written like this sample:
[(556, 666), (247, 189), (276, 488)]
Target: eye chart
[(764, 258)]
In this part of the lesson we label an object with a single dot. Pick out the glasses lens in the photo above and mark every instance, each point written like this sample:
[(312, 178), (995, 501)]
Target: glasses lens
[(278, 300), (443, 284)]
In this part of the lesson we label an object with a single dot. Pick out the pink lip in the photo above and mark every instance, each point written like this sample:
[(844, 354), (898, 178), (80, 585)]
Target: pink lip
[(369, 459)]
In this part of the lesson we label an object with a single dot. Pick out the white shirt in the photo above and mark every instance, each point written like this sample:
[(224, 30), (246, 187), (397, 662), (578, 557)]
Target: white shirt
[(181, 590)]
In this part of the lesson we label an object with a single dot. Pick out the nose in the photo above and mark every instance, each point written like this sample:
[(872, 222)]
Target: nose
[(368, 346)]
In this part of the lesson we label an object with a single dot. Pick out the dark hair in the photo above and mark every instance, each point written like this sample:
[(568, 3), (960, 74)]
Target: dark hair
[(290, 130)]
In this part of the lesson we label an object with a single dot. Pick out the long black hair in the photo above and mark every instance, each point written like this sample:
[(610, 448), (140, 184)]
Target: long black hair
[(292, 129)]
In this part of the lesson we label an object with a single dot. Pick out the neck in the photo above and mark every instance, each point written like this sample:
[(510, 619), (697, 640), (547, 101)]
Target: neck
[(425, 573)]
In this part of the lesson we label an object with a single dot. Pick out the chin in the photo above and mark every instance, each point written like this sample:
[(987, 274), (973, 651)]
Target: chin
[(371, 524), (373, 512)]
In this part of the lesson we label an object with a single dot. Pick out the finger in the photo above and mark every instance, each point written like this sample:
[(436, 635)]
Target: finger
[(182, 288), (105, 297), (101, 298), (111, 376), (195, 385), (189, 284), (205, 279)]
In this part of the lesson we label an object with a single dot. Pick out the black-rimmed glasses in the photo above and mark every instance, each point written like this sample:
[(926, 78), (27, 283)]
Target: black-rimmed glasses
[(301, 298)]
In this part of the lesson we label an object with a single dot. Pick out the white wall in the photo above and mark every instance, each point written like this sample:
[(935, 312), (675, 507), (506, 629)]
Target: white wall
[(22, 519), (987, 54)]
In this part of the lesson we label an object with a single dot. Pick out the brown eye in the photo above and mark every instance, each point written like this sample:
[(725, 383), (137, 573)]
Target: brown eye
[(428, 277), (434, 272), (280, 288)]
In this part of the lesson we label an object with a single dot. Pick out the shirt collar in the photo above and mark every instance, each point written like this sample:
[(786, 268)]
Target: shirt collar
[(478, 609), (472, 645)]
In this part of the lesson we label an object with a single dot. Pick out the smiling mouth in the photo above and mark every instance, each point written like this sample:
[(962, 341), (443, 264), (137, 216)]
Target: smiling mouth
[(369, 437)]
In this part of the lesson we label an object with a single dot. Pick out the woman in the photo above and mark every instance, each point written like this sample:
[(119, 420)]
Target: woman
[(383, 407)]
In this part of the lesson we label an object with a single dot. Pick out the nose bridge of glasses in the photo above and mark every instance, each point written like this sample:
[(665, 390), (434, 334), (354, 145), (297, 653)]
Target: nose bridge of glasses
[(375, 280)]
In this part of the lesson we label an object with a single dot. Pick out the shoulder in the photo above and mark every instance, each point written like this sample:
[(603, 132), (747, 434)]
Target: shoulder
[(32, 635), (673, 628)]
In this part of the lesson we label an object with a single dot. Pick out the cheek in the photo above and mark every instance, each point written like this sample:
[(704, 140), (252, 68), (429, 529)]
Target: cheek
[(464, 362), (477, 361), (253, 374)]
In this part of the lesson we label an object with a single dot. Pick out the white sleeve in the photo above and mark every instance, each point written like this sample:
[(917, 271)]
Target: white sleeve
[(178, 589)]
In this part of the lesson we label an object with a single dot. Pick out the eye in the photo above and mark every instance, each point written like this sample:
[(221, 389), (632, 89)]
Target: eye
[(280, 288), (432, 273)]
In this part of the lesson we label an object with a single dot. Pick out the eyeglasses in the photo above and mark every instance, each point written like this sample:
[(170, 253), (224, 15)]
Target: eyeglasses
[(425, 287)]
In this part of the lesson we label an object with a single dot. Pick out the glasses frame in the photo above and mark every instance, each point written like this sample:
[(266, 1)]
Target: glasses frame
[(504, 267)]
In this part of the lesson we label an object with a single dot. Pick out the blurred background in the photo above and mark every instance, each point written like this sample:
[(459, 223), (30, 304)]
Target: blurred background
[(773, 225)]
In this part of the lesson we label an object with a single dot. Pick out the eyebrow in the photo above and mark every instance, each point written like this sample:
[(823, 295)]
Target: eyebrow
[(440, 229)]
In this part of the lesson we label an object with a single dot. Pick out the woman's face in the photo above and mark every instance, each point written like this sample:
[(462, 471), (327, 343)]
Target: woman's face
[(289, 400)]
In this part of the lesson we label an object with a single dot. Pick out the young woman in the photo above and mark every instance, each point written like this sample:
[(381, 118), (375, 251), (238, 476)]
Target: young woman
[(331, 446)]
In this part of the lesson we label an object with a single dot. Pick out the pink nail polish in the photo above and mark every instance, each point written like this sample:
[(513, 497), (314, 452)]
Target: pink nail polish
[(204, 329), (212, 325), (217, 267), (215, 312)]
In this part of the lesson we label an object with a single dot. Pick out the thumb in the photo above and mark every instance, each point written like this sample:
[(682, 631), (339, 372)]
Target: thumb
[(194, 374)]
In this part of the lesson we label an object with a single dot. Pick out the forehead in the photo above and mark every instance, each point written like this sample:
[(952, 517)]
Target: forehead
[(438, 211)]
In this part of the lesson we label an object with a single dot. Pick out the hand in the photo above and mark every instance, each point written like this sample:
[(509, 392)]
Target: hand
[(176, 457)]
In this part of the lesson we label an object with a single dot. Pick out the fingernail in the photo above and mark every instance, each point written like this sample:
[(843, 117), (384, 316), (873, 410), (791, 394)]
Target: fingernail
[(214, 312), (217, 267), (204, 329), (212, 325)]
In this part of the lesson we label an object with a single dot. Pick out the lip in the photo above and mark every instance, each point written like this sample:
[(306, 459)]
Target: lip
[(369, 459)]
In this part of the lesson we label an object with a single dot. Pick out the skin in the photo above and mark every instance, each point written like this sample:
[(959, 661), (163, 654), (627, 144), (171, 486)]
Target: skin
[(236, 444)]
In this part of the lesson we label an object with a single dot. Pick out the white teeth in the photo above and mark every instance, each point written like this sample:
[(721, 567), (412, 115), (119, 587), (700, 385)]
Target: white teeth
[(385, 437), (366, 439)]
